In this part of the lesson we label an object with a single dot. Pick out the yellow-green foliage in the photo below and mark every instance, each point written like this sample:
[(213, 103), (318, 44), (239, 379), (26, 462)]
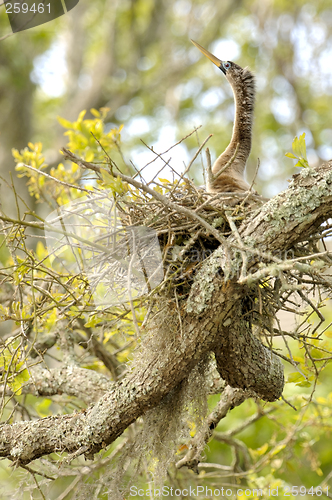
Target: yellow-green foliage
[(12, 364), (300, 152), (69, 298), (88, 139)]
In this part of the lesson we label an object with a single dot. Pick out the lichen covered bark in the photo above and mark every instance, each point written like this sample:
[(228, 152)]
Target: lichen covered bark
[(212, 318)]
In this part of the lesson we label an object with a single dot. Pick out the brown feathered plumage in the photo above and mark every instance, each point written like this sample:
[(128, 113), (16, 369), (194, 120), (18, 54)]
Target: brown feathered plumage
[(243, 85)]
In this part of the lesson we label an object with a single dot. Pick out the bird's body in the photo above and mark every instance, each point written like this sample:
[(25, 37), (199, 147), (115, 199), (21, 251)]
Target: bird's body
[(235, 156)]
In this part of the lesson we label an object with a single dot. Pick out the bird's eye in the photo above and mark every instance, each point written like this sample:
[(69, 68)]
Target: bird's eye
[(226, 65)]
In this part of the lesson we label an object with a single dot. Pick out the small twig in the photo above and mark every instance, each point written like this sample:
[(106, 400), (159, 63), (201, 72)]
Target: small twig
[(230, 398), (72, 485), (207, 202), (317, 311), (169, 149), (270, 270), (179, 312), (167, 164), (26, 467), (208, 167), (296, 365), (158, 155), (288, 403), (37, 486), (190, 243), (163, 199), (6, 36), (283, 265), (238, 446), (250, 420), (190, 163), (240, 242), (77, 453), (133, 313), (67, 184), (201, 158)]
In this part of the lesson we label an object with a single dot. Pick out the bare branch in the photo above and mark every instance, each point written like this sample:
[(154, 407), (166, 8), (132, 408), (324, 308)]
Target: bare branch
[(213, 318), (230, 398)]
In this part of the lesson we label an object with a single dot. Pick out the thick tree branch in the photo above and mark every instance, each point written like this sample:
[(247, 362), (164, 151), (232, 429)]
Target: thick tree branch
[(72, 380), (211, 321), (294, 214)]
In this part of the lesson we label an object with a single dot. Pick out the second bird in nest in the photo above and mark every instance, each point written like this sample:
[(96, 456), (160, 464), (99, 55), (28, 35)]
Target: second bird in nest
[(231, 163)]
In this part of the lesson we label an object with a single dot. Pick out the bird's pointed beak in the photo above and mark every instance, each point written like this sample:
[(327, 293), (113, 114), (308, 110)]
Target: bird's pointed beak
[(210, 56)]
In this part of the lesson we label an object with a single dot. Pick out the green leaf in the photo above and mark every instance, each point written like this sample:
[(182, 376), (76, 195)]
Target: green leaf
[(93, 321), (89, 156), (43, 407), (262, 450), (304, 384), (295, 377), (302, 163), (80, 117), (65, 123), (302, 146), (277, 449), (300, 152), (20, 379), (107, 177), (95, 112), (296, 147)]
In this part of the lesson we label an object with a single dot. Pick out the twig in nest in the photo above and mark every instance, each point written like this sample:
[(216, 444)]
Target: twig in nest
[(163, 199), (190, 163), (167, 150)]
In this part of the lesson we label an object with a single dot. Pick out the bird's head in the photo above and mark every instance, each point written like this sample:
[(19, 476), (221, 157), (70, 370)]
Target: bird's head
[(232, 71)]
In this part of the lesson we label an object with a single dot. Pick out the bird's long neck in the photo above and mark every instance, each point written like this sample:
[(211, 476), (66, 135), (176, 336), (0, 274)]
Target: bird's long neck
[(244, 95)]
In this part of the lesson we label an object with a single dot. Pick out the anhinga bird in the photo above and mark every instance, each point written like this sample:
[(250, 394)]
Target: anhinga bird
[(228, 169)]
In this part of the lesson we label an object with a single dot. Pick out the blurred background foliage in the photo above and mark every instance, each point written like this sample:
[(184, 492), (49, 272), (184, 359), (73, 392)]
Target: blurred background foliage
[(135, 57)]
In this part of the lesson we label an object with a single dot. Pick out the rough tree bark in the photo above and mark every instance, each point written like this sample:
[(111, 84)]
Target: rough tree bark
[(211, 320)]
